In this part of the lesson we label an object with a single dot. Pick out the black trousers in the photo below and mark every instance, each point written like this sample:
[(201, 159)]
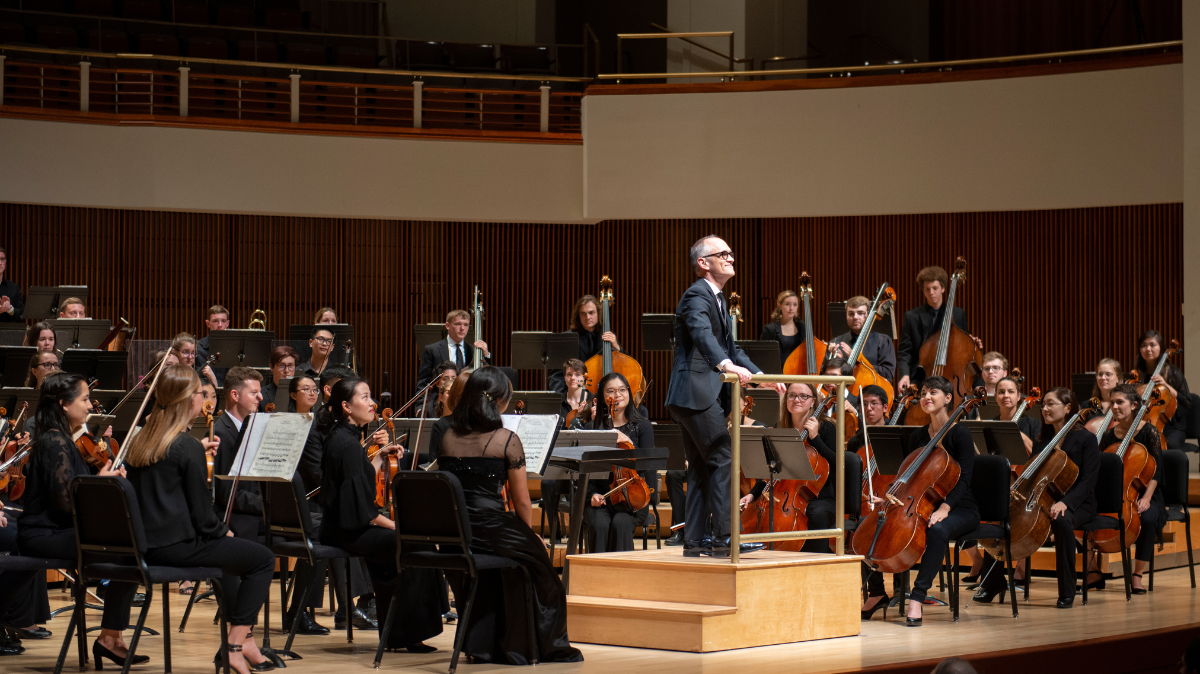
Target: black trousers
[(675, 481), (707, 445), (246, 566), (820, 516), (360, 582), (16, 587), (60, 544), (1176, 438), (874, 581), (612, 527), (1063, 527), (958, 523), (1149, 534)]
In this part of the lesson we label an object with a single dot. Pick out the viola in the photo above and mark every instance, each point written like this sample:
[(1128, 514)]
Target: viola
[(892, 537), (13, 455), (864, 373), (609, 360), (1159, 415), (1099, 423), (950, 352), (389, 467), (808, 359), (627, 486), (1139, 467), (96, 449), (207, 411)]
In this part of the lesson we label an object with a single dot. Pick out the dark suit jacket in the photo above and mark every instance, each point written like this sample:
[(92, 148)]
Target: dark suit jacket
[(878, 351), (437, 353), (919, 324), (249, 500), (12, 291), (202, 352), (702, 341)]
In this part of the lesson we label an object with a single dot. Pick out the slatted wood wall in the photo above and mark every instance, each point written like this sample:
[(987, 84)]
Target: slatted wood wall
[(1053, 290)]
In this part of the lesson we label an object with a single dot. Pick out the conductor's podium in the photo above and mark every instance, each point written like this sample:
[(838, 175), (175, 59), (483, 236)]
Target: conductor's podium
[(661, 599)]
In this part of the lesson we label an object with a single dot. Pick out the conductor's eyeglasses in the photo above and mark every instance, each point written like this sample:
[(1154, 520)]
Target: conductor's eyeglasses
[(726, 255)]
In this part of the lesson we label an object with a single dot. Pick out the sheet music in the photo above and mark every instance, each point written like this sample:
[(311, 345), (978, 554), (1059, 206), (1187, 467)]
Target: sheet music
[(537, 437), (272, 446)]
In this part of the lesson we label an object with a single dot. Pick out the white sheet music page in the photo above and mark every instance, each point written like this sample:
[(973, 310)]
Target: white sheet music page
[(272, 446), (537, 437)]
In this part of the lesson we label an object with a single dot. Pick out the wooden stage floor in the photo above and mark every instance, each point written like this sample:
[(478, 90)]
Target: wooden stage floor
[(984, 630)]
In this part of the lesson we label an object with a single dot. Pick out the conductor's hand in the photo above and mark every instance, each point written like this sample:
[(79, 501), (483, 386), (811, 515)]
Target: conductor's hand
[(210, 446), (1057, 509), (611, 339), (939, 514), (597, 500), (482, 346), (746, 500), (812, 426), (742, 373)]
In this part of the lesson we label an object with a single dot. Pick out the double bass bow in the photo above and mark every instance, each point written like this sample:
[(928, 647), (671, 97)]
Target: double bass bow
[(892, 537), (950, 352), (610, 360)]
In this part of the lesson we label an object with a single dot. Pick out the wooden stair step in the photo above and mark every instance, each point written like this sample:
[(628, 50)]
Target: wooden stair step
[(702, 610)]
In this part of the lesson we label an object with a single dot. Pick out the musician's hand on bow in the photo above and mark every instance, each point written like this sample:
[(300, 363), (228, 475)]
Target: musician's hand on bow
[(22, 439), (597, 500), (107, 470)]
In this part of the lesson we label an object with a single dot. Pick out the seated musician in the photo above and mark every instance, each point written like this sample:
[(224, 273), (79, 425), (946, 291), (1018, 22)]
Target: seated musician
[(325, 316), (1150, 349), (874, 413), (351, 521), (438, 429), (168, 472), (878, 350), (18, 601), (454, 348), (41, 364), (437, 407), (72, 307), (1008, 399), (304, 393), (184, 344), (957, 514), (585, 322), (922, 322), (796, 411), (1150, 504), (1108, 375), (243, 392), (838, 367), (283, 366), (47, 524), (218, 319), (41, 335), (784, 327), (484, 455), (613, 524), (12, 302), (994, 368), (576, 398), (321, 343)]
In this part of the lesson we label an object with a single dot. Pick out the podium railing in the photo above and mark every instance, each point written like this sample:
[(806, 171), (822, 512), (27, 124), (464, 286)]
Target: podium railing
[(736, 537)]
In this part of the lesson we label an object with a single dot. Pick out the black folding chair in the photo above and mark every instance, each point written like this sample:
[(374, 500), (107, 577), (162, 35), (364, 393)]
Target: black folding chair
[(990, 480), (108, 525), (1175, 497), (286, 508), (1110, 497), (853, 481), (431, 510)]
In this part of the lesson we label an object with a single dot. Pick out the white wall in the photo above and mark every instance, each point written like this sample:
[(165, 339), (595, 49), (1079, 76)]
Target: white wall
[(1062, 141), (1191, 189), (233, 171)]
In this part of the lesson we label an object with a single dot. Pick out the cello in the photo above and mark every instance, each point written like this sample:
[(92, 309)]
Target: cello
[(1139, 471), (608, 360), (950, 352), (892, 537), (808, 359), (874, 482), (1160, 414), (864, 373)]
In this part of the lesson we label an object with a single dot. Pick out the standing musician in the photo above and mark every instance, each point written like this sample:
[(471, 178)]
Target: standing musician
[(218, 319), (923, 321), (994, 368), (699, 402), (321, 343), (41, 335), (1150, 505), (12, 302), (243, 393), (454, 348), (46, 524), (325, 316), (1108, 375), (283, 366), (958, 514), (72, 307), (878, 350), (168, 473), (585, 322), (351, 521), (1150, 349), (185, 345), (613, 525), (784, 326)]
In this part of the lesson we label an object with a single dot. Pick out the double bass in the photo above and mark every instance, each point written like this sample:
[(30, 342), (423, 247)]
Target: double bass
[(608, 360), (477, 320), (1139, 471), (806, 360), (892, 537), (950, 352), (864, 373)]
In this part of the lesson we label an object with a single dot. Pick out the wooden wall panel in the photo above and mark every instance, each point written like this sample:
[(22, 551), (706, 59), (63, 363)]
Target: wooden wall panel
[(1053, 290)]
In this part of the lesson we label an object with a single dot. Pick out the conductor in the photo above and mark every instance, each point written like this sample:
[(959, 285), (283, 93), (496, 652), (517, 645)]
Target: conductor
[(699, 402)]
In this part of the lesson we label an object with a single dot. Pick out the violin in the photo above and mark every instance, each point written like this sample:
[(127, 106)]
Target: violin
[(1139, 471), (608, 360), (808, 359), (207, 411), (1098, 424), (627, 486), (864, 373), (13, 456), (892, 537), (950, 352), (1159, 415), (389, 467), (96, 449)]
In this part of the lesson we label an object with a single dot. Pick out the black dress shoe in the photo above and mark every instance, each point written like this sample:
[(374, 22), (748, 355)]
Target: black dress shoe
[(36, 632), (912, 622), (139, 599), (361, 621), (675, 539), (1065, 603), (697, 548), (10, 645), (100, 652), (307, 626), (720, 547)]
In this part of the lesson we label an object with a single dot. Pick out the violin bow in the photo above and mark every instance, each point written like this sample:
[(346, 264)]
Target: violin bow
[(141, 408)]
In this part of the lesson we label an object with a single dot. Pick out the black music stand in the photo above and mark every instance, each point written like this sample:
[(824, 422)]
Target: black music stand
[(1082, 384), (107, 366), (298, 336), (14, 364), (283, 397), (248, 348), (408, 427), (989, 411), (12, 334), (42, 301), (888, 445), (537, 402), (1001, 438), (671, 437), (839, 326), (658, 332), (763, 354), (125, 415), (428, 333), (99, 423), (80, 333), (774, 454), (766, 404), (543, 351), (12, 397)]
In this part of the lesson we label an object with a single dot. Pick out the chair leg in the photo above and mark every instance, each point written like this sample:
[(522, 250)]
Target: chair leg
[(187, 612), (318, 573), (1086, 564), (66, 645), (349, 606), (166, 600), (224, 625), (1029, 574), (460, 632), (1009, 568), (137, 634), (1187, 528), (386, 631), (530, 611), (1125, 566), (954, 578), (1150, 585), (657, 528), (81, 624)]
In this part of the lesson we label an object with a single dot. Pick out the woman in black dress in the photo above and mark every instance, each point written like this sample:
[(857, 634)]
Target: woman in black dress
[(351, 521), (483, 455), (1150, 349), (1150, 505), (168, 473), (784, 328), (47, 527), (613, 525), (797, 412)]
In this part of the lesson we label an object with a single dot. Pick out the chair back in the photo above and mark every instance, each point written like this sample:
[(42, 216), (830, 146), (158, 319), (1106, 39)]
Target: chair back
[(990, 481), (1109, 495), (1175, 477), (107, 518), (430, 508), (1192, 429), (853, 476)]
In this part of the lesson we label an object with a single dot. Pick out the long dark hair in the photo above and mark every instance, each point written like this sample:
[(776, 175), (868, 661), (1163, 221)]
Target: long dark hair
[(603, 414), (478, 410), (58, 389), (1065, 396), (330, 412)]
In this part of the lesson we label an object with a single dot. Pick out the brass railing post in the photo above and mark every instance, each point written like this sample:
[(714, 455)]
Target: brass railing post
[(544, 121), (418, 96)]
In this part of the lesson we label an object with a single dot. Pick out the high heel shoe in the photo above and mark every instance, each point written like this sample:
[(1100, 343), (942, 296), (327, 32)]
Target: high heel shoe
[(986, 596), (272, 658), (99, 652), (882, 603), (1137, 590), (912, 622), (264, 666)]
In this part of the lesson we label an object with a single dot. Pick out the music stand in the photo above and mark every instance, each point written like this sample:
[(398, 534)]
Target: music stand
[(1001, 438), (107, 398), (763, 354), (107, 366), (298, 336), (1082, 384), (99, 423), (80, 333), (838, 325), (428, 333), (125, 415), (42, 301), (283, 397), (12, 334), (774, 453), (14, 364), (540, 350), (248, 348), (658, 332), (989, 411), (766, 404), (888, 446), (11, 397), (537, 402), (671, 437)]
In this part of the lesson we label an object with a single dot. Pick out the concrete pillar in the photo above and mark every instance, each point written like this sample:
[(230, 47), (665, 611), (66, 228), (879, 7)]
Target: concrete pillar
[(295, 77), (183, 90), (545, 109)]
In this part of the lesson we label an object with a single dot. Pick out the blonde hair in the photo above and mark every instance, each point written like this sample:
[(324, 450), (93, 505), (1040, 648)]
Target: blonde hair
[(777, 315), (172, 413), (321, 312), (785, 417)]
